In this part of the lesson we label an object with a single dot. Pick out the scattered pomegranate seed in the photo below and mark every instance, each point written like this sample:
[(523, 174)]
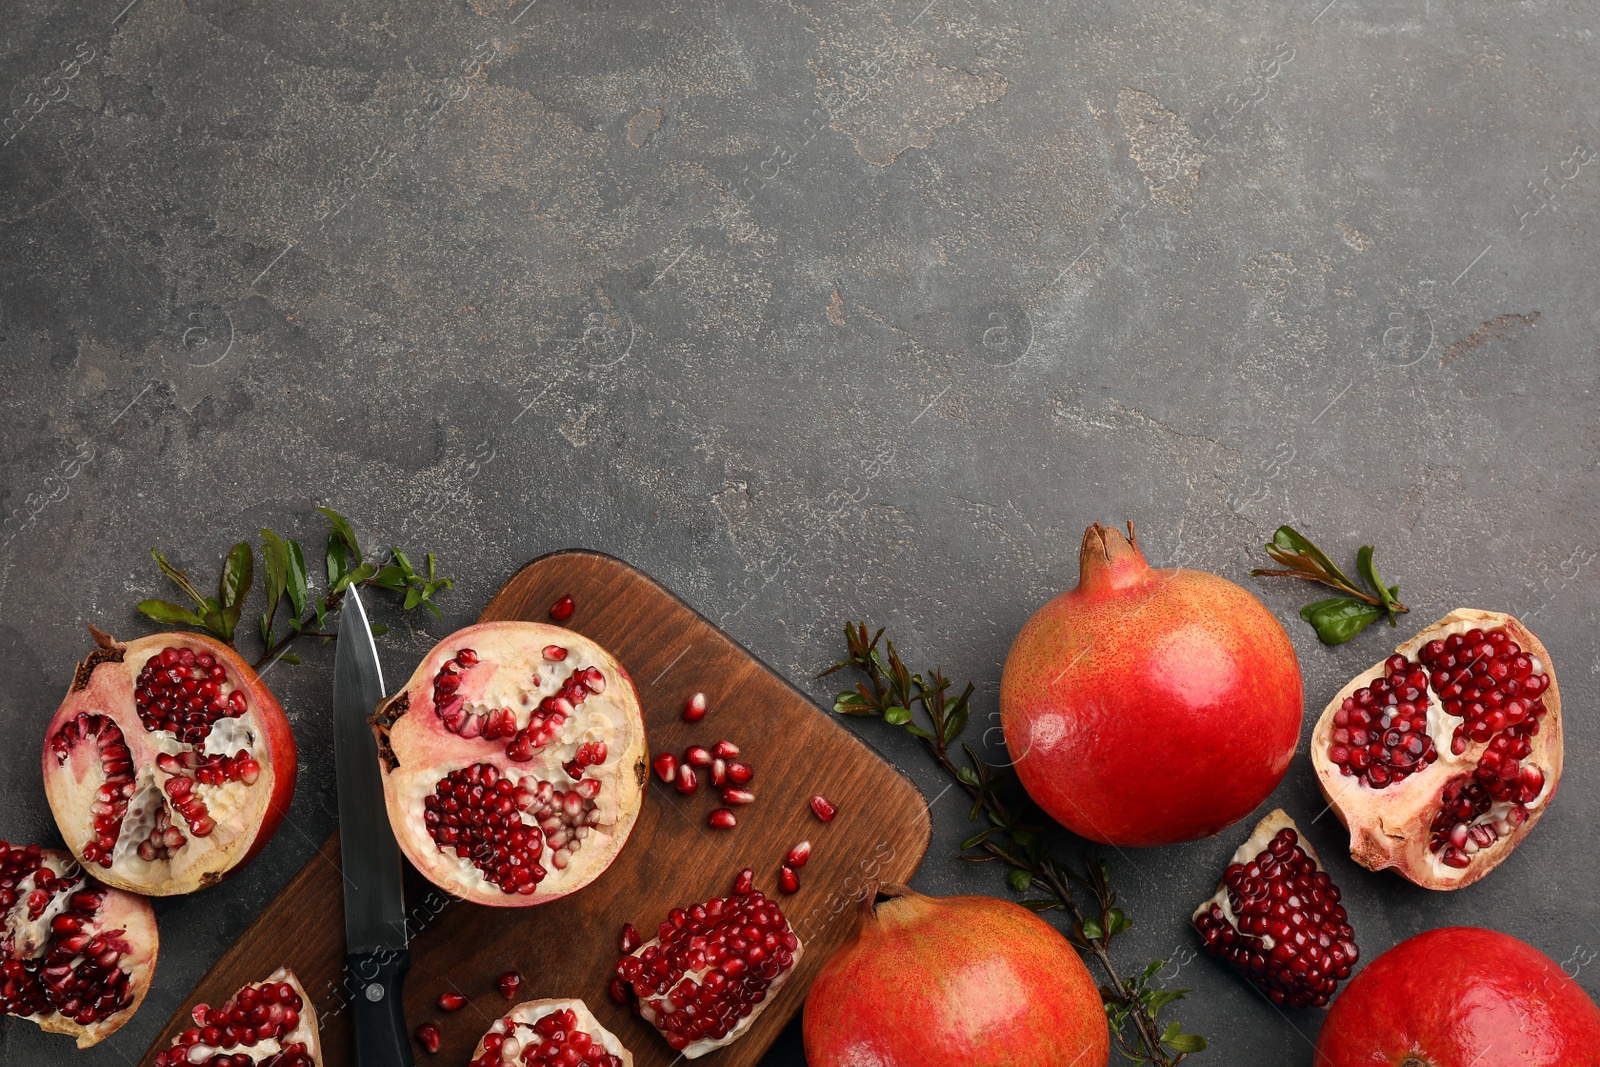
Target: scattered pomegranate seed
[(620, 992), (719, 773), (451, 1001), (508, 984), (823, 809), (799, 855), (735, 796), (630, 938), (562, 609), (725, 750), (428, 1037), (745, 883), (697, 756), (740, 773), (695, 709), (722, 819), (554, 653), (666, 766), (788, 881), (687, 781)]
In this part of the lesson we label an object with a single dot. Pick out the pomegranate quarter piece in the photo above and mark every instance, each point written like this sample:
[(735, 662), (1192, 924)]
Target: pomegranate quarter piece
[(169, 765), (710, 969), (557, 1033), (1276, 917), (265, 1024), (76, 957), (1441, 758), (510, 780)]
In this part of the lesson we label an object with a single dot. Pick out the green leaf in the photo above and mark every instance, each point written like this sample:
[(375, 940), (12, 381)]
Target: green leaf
[(1185, 1042), (266, 631), (164, 611), (1117, 921), (896, 716), (342, 530), (852, 704), (918, 731), (1020, 880), (180, 578), (238, 572), (959, 713), (967, 775), (433, 608), (322, 613), (402, 562), (295, 577), (1340, 618), (1160, 998), (1287, 538), (275, 558), (1092, 929), (378, 629), (979, 838), (390, 577), (1369, 574), (290, 658), (338, 561), (1150, 970), (217, 623)]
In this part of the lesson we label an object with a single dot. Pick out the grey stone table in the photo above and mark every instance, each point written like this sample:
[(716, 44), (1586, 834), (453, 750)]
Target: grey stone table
[(816, 312)]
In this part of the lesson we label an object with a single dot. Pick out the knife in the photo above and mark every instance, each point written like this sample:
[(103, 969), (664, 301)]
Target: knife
[(375, 932)]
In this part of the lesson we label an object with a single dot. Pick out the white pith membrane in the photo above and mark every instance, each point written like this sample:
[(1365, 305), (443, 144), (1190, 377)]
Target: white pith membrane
[(578, 822), (707, 967), (296, 1045), (1305, 903), (61, 930), (1391, 826), (518, 1038), (188, 814)]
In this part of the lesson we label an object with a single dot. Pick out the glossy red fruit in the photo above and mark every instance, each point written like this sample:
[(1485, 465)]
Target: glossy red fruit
[(274, 1015), (1441, 758), (428, 1037), (508, 983), (562, 609), (1461, 997), (823, 808), (1147, 707), (990, 984), (550, 1033), (695, 708), (451, 1001), (169, 765)]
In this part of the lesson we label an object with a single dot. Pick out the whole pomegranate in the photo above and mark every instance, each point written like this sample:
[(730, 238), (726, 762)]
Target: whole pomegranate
[(953, 982), (513, 763), (270, 1024), (1461, 997), (75, 956), (1147, 707), (1441, 758), (169, 765)]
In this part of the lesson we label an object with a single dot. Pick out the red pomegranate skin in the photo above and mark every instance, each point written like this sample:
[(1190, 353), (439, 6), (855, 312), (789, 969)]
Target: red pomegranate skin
[(1147, 707), (954, 982), (1459, 997)]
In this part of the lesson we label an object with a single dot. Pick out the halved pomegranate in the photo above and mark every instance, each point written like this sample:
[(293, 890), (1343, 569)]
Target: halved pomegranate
[(1441, 758), (511, 777), (1276, 917), (265, 1024), (76, 957), (710, 969), (169, 765), (550, 1033)]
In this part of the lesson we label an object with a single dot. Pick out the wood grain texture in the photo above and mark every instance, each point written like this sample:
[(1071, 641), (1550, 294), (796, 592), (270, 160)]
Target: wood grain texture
[(567, 948)]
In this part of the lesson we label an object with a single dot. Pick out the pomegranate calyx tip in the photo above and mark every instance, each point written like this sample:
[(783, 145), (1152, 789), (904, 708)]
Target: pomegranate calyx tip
[(1108, 560)]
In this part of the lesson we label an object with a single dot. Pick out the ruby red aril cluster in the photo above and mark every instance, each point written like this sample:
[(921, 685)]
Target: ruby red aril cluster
[(116, 764), (268, 1012), (553, 1040), (495, 724), (1293, 939), (719, 765), (186, 692), (479, 812), (737, 946)]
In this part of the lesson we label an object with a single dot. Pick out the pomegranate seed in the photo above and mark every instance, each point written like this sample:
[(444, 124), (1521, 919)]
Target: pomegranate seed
[(719, 773), (737, 797), (695, 709), (428, 1037), (562, 609), (554, 653), (725, 750), (722, 819), (745, 882), (788, 881), (666, 766), (686, 782), (697, 756), (740, 773), (799, 855), (823, 810), (508, 983), (630, 938), (451, 1001)]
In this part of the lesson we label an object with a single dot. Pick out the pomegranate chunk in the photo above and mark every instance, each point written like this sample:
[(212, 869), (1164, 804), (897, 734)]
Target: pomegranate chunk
[(1277, 919), (726, 958), (276, 1011), (550, 1033)]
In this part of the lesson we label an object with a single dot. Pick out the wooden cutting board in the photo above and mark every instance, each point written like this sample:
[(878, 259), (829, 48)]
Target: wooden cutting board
[(568, 948)]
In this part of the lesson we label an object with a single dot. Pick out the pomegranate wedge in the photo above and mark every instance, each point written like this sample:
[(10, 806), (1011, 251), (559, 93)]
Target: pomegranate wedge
[(512, 778), (550, 1033), (265, 1024), (1441, 758)]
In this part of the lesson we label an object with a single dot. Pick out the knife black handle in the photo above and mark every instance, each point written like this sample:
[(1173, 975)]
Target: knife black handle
[(379, 1009)]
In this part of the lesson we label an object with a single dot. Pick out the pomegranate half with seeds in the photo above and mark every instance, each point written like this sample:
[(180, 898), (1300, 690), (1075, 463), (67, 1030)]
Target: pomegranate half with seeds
[(76, 956), (711, 969), (1441, 758), (1276, 918), (265, 1024), (1461, 997), (1147, 707), (550, 1033), (169, 765), (513, 763)]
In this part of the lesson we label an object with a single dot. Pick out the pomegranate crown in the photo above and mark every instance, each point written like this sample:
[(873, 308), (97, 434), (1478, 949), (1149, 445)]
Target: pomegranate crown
[(1109, 560)]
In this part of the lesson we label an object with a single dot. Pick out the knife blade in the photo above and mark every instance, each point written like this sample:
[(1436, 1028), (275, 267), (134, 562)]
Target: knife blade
[(375, 932)]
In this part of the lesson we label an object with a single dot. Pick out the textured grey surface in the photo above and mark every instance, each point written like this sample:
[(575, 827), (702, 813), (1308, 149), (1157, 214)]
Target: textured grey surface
[(813, 311)]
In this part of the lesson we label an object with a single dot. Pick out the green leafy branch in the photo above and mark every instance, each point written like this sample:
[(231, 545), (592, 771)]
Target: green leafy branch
[(1339, 618), (894, 694), (287, 584)]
